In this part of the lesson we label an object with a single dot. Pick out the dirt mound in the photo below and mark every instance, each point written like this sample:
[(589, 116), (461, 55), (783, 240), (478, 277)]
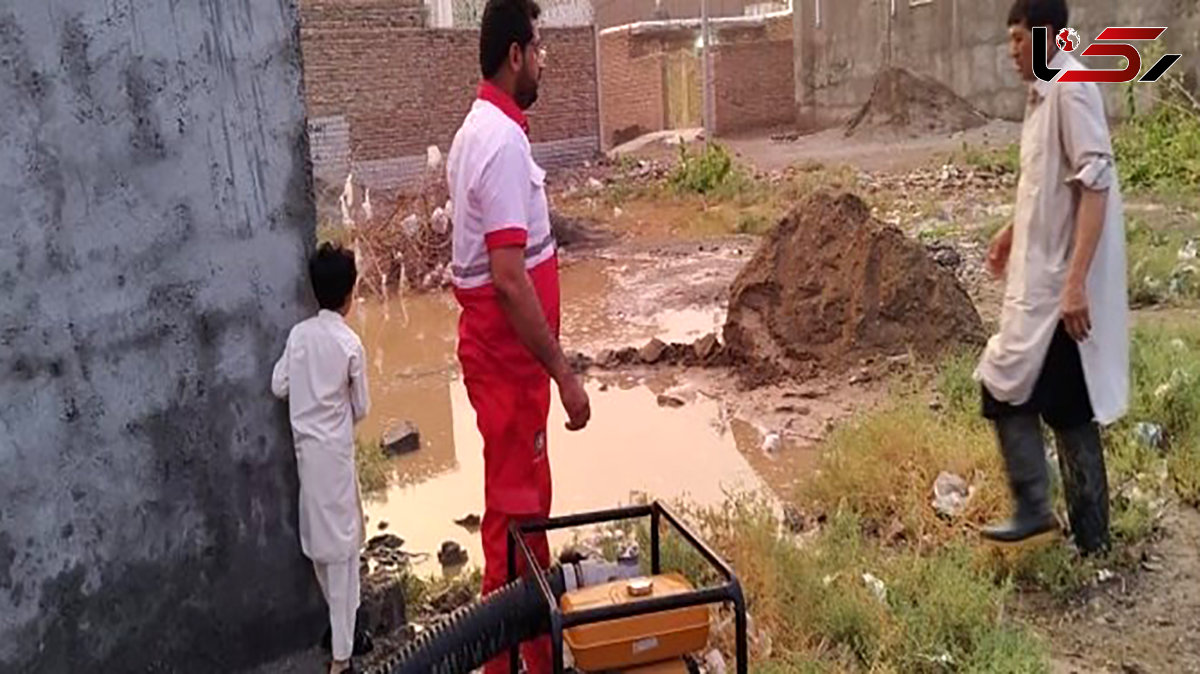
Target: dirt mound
[(831, 286), (905, 104)]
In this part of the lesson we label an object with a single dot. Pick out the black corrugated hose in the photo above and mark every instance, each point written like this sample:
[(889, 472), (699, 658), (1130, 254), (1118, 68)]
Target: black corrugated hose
[(479, 631)]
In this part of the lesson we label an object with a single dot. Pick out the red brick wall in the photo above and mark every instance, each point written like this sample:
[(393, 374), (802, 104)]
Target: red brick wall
[(754, 86), (402, 89), (753, 78), (631, 87)]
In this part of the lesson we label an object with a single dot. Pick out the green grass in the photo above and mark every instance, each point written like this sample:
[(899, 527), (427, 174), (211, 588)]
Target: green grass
[(1158, 274), (709, 171), (1001, 159), (374, 469), (1158, 150), (940, 607), (947, 600)]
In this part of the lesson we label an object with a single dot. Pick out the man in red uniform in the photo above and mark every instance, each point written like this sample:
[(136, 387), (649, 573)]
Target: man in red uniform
[(505, 269)]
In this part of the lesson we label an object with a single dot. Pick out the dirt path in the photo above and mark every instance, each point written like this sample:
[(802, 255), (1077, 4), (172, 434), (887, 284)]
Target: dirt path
[(1143, 623)]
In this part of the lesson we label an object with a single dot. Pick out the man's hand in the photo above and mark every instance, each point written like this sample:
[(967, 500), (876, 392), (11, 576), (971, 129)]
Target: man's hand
[(574, 401), (999, 250), (520, 304), (1077, 319)]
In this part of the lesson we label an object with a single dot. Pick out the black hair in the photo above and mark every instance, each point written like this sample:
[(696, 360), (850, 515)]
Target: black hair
[(504, 22), (1035, 13), (333, 274)]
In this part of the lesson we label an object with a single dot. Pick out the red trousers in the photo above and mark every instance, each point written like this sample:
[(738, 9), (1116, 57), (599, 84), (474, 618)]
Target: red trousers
[(512, 419), (510, 392)]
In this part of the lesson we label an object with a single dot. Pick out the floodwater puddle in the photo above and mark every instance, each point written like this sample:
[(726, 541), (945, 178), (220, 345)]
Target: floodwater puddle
[(633, 445)]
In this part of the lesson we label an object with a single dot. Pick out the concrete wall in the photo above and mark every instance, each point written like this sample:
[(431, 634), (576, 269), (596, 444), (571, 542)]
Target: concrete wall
[(155, 213), (379, 93), (959, 42)]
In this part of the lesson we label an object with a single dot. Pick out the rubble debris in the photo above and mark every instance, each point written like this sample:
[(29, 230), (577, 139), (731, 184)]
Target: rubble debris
[(384, 605), (452, 554), (714, 662), (772, 442), (1150, 435), (876, 586), (950, 494), (831, 285), (706, 346), (863, 376), (799, 410), (665, 400), (384, 542), (401, 438), (904, 104), (653, 351), (944, 254), (579, 362), (452, 598)]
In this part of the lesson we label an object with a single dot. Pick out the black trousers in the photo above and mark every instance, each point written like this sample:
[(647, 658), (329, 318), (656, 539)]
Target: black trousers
[(1060, 395)]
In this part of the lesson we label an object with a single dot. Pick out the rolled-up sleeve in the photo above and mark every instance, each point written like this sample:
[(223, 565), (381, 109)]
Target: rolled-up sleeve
[(1086, 142)]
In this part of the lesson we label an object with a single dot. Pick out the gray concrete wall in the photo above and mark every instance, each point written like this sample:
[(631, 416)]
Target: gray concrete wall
[(962, 43), (154, 218)]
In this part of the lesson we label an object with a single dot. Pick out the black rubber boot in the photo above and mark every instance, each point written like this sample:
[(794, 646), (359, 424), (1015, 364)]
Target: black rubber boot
[(1024, 453), (1085, 483)]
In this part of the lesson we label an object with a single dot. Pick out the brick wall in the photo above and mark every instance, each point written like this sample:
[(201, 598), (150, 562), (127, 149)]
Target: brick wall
[(753, 77), (754, 86), (620, 12), (379, 93), (631, 87)]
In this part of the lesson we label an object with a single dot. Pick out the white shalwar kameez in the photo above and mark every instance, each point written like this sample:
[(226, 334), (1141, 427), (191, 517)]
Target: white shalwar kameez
[(322, 374), (1065, 147)]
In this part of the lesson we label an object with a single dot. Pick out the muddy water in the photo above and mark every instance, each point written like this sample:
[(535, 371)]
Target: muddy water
[(633, 445)]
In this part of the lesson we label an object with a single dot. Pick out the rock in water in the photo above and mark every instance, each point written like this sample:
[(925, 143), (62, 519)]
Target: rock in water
[(385, 542), (401, 438), (665, 400), (452, 554), (471, 522), (832, 285)]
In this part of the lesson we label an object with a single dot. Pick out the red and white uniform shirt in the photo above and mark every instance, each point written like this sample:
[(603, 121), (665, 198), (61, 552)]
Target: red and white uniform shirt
[(497, 188), (500, 201)]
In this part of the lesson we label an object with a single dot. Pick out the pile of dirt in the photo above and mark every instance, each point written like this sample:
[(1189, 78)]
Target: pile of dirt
[(830, 286), (905, 104)]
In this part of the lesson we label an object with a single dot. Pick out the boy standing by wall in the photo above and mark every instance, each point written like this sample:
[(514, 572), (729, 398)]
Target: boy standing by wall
[(1062, 353), (322, 375)]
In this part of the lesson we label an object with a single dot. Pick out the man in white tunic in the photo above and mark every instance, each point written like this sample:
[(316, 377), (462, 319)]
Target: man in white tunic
[(1062, 353), (323, 377)]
